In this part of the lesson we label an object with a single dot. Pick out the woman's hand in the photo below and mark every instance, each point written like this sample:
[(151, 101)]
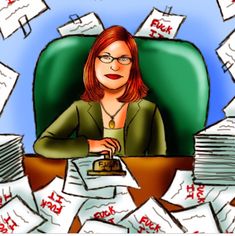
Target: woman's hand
[(104, 146)]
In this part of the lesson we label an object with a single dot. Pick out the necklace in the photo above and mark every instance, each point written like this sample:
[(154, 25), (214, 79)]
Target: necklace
[(112, 122)]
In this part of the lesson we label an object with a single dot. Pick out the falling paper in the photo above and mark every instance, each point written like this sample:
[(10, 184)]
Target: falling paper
[(8, 79), (96, 182), (160, 25), (151, 217), (17, 217), (100, 227), (194, 218), (185, 193), (89, 24), (229, 110), (227, 8), (73, 185), (58, 208), (226, 53), (226, 217), (20, 188), (16, 13), (110, 210)]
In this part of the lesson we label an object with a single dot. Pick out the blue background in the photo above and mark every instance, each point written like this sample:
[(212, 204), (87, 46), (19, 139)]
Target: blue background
[(204, 27)]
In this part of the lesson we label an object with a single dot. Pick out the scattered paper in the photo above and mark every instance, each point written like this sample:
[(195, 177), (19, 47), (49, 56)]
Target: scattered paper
[(19, 188), (110, 210), (185, 193), (74, 185), (17, 217), (151, 217), (96, 182), (226, 53), (160, 24), (89, 24), (198, 219), (227, 8), (16, 13), (100, 227), (58, 208), (226, 217), (8, 79), (229, 110)]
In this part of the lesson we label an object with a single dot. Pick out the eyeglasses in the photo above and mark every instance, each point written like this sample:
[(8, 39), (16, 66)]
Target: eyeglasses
[(108, 59)]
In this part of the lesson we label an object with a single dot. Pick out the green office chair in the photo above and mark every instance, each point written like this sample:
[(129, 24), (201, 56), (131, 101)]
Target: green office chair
[(173, 70)]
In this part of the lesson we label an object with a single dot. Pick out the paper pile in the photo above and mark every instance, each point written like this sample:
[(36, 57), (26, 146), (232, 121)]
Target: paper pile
[(11, 154), (215, 152)]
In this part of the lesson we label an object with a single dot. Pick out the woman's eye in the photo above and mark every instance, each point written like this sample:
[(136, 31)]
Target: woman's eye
[(123, 59), (106, 57)]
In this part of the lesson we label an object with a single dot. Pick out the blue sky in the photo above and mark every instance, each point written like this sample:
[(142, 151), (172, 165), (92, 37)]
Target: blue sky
[(204, 27)]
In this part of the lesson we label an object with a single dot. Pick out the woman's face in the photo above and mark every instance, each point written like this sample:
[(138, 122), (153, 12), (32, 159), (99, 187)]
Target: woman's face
[(113, 65)]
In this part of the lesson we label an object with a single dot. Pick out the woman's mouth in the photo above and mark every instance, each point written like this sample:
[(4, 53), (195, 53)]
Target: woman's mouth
[(113, 76)]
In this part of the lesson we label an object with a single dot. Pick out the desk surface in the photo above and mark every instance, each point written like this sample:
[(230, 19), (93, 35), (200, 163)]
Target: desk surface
[(153, 174)]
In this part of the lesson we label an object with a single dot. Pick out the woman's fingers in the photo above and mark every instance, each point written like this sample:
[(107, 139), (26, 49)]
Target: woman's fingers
[(115, 143)]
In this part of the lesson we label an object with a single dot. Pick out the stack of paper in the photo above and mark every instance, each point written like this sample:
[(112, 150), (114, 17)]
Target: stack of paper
[(11, 154), (215, 154)]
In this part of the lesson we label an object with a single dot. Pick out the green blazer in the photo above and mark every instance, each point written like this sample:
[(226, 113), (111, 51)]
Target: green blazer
[(143, 131)]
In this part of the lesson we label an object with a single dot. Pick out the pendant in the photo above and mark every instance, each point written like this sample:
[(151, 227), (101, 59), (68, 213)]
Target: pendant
[(112, 124)]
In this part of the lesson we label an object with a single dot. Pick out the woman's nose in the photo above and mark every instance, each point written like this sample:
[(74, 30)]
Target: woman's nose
[(115, 65)]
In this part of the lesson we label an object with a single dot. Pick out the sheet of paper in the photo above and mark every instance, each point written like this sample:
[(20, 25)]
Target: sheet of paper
[(58, 208), (226, 217), (110, 210), (227, 8), (17, 217), (151, 217), (8, 79), (13, 13), (185, 193), (160, 24), (198, 219), (73, 185), (19, 188), (229, 110), (89, 24), (96, 182), (100, 227), (226, 53)]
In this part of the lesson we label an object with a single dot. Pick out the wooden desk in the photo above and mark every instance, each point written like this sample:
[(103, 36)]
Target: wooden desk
[(153, 174)]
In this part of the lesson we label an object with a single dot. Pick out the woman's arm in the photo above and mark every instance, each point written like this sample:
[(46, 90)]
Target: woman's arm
[(55, 141), (157, 143)]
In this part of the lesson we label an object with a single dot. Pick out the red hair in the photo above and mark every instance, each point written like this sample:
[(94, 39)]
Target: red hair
[(135, 88)]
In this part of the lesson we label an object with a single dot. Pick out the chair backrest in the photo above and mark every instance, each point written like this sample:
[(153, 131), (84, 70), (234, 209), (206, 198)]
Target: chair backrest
[(173, 70)]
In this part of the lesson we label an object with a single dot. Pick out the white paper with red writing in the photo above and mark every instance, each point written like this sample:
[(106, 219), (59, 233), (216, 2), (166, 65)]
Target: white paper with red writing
[(101, 227), (110, 210), (89, 24), (18, 187), (17, 217), (226, 217), (12, 12), (151, 217), (185, 193), (160, 25), (96, 182), (227, 8), (198, 219), (58, 208), (74, 185), (8, 79), (226, 53)]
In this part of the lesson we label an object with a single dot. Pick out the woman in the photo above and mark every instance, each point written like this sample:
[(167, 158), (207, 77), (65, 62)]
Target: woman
[(112, 117)]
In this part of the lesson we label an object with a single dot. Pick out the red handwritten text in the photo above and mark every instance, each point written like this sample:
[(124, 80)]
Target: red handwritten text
[(148, 225), (160, 26), (10, 2), (199, 192), (105, 214), (54, 203), (5, 198), (7, 224)]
